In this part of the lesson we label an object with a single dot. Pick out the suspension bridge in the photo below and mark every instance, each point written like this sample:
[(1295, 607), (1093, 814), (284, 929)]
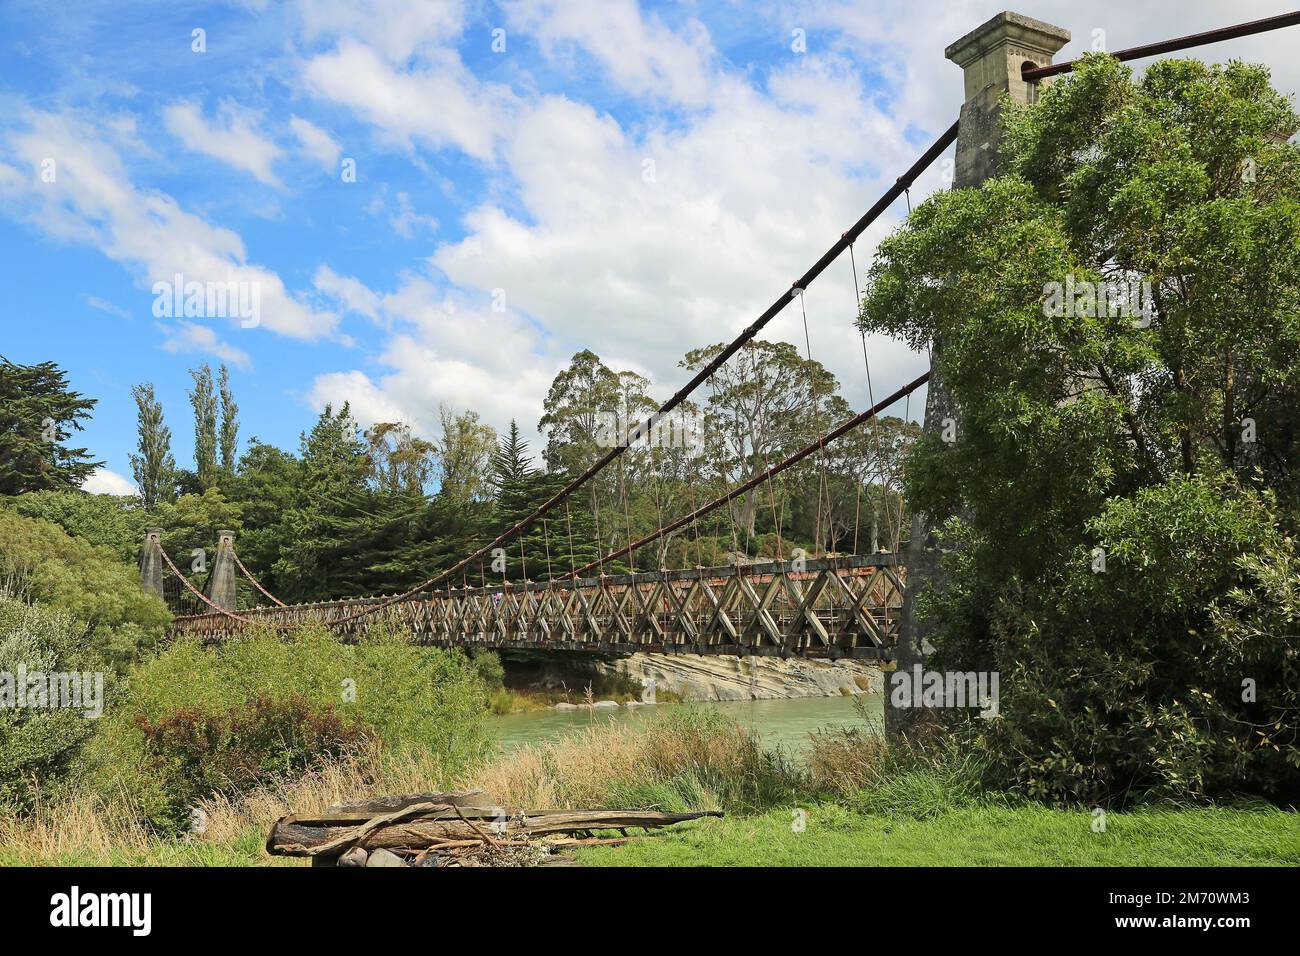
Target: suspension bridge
[(829, 606)]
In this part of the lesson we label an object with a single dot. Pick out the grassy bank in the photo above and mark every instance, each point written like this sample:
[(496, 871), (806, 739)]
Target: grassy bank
[(854, 802), (989, 835)]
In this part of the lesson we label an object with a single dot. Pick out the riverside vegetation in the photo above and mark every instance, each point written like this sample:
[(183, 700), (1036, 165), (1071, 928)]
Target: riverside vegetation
[(1125, 558)]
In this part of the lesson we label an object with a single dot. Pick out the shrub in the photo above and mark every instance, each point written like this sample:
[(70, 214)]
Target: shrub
[(200, 754), (1128, 683), (115, 523), (683, 758), (488, 666), (39, 747), (89, 582), (399, 695)]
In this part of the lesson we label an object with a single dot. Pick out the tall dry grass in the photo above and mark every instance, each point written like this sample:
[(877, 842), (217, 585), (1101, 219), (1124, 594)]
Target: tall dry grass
[(681, 759)]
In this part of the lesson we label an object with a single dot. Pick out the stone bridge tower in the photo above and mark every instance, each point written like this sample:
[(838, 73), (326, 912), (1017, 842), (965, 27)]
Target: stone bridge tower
[(991, 57)]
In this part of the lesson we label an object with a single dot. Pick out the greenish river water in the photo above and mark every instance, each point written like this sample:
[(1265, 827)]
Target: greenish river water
[(779, 723)]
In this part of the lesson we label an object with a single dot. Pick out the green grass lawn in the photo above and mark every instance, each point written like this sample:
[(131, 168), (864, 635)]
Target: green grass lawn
[(971, 836)]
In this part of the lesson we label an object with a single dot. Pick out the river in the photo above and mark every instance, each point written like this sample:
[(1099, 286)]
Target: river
[(779, 723)]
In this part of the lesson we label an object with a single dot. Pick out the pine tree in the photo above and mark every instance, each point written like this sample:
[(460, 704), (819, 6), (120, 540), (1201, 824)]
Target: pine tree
[(37, 414), (154, 468), (229, 436), (510, 461), (203, 399)]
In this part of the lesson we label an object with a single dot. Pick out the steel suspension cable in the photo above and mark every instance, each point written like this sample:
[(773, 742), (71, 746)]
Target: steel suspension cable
[(256, 583), (776, 469), (203, 597), (1249, 28), (946, 139)]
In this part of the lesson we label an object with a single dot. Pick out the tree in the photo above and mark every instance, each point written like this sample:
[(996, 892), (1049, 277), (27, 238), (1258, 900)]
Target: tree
[(267, 485), (43, 564), (573, 407), (399, 460), (765, 403), (229, 434), (107, 521), (550, 547), (335, 474), (154, 468), (1123, 469), (192, 521), (38, 413), (203, 399), (510, 461), (465, 453)]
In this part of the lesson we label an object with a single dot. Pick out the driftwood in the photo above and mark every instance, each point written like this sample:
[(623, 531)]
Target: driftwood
[(454, 826)]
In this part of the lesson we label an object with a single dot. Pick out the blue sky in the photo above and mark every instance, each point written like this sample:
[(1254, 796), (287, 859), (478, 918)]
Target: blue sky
[(638, 179)]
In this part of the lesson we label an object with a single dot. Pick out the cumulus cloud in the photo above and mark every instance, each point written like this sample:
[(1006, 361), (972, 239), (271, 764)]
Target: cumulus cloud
[(444, 349), (435, 103), (639, 54), (105, 482), (192, 337), (231, 138), (316, 144), (93, 200)]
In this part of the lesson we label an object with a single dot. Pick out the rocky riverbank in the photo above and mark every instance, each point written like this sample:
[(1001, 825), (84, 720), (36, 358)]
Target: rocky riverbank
[(699, 677)]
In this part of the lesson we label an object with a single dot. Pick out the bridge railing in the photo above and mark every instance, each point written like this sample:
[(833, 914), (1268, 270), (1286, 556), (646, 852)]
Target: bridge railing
[(846, 606)]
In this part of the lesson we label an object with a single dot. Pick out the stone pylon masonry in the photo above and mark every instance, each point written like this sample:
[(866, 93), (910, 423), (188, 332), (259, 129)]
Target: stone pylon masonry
[(991, 57), (220, 589), (151, 562)]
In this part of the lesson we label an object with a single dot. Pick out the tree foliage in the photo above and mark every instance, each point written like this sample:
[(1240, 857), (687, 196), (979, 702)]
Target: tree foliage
[(38, 413), (1113, 469), (154, 468)]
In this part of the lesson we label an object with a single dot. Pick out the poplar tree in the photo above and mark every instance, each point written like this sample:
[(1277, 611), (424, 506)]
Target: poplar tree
[(154, 468)]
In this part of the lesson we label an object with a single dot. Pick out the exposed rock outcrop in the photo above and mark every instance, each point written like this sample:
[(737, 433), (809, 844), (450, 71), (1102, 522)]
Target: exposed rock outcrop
[(716, 677)]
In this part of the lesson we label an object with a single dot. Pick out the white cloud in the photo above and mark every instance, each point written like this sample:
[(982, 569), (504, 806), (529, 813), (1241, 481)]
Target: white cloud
[(444, 349), (437, 103), (233, 139), (406, 222), (741, 201), (351, 293), (105, 482), (317, 144), (368, 403), (94, 201), (103, 305), (191, 337), (640, 55), (395, 28), (638, 242)]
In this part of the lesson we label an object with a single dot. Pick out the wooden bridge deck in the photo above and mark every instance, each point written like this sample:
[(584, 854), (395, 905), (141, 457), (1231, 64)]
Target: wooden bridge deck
[(831, 607)]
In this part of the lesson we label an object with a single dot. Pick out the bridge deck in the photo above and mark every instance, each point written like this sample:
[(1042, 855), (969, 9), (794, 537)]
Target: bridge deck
[(845, 606)]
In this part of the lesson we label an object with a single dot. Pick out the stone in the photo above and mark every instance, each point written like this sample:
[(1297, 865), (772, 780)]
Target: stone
[(357, 856), (564, 706), (382, 857), (605, 703), (991, 58), (703, 677)]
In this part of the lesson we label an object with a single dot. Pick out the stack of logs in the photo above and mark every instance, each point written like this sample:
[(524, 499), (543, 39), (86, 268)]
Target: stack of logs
[(453, 829)]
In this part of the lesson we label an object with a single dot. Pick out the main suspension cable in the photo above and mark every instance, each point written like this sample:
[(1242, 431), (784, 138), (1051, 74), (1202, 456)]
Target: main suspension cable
[(776, 469)]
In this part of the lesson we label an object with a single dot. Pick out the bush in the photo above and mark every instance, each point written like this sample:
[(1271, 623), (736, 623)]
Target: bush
[(398, 694), (39, 747), (107, 521), (488, 666), (198, 754), (1130, 683), (89, 582), (929, 772)]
